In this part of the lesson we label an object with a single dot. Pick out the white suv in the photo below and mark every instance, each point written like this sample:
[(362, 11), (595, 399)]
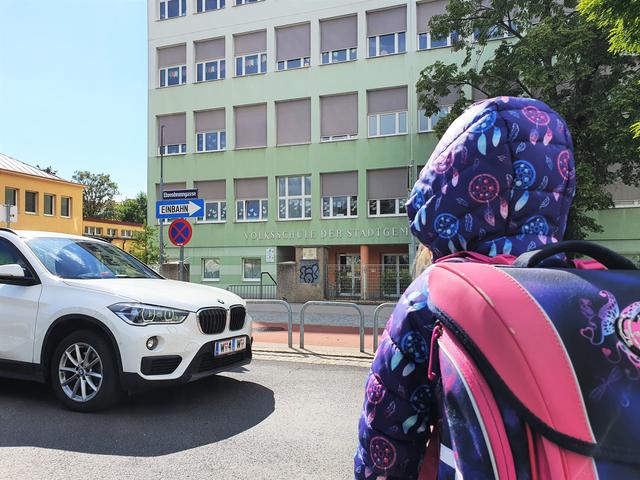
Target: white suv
[(94, 322)]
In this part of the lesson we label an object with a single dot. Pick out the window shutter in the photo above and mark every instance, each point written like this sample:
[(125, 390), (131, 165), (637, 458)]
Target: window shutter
[(210, 50), (339, 114), (390, 20), (387, 183), (175, 128), (251, 126), (210, 120), (293, 42), (387, 100), (251, 188), (172, 56), (293, 121), (339, 184), (339, 33), (249, 43)]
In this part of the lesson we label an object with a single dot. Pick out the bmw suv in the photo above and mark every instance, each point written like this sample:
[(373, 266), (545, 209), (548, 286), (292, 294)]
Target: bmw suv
[(94, 322)]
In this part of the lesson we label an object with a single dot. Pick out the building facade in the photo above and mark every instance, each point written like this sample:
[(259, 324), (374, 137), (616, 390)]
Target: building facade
[(121, 234), (44, 201)]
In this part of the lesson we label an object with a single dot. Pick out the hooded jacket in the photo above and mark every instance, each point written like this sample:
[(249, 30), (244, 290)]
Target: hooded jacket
[(500, 182)]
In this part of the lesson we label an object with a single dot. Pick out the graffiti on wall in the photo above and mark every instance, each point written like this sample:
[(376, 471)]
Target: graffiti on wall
[(309, 271)]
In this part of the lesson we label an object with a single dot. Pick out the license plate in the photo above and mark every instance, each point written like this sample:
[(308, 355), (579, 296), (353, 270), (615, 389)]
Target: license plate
[(225, 347)]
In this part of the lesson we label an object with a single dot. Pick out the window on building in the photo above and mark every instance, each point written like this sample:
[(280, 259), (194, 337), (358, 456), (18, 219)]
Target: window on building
[(88, 230), (493, 33), (387, 112), (425, 11), (214, 194), (211, 135), (65, 207), (294, 197), (95, 231), (172, 8), (167, 187), (386, 31), (112, 232), (252, 204), (293, 121), (293, 46), (49, 205), (31, 202), (210, 269), (210, 63), (339, 39), (175, 133), (339, 194), (209, 5), (387, 191), (251, 269), (250, 50), (428, 124), (172, 66), (11, 196), (126, 233), (339, 117), (251, 126), (247, 2)]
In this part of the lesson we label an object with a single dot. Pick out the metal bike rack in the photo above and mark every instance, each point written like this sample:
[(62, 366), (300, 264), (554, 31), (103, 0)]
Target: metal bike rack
[(289, 313), (332, 304), (376, 317)]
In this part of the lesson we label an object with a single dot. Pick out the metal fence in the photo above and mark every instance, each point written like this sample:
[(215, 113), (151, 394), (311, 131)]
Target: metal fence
[(267, 289), (368, 282)]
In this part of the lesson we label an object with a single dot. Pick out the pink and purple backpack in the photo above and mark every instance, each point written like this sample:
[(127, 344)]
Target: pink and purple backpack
[(539, 368)]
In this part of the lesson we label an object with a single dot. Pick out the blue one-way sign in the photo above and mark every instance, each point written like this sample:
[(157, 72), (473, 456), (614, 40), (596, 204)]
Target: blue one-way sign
[(180, 208)]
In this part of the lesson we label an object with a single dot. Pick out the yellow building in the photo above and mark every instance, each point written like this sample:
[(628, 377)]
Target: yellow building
[(119, 233), (44, 201)]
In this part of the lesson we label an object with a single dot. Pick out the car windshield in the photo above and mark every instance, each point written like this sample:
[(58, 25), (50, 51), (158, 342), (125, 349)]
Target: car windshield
[(85, 259)]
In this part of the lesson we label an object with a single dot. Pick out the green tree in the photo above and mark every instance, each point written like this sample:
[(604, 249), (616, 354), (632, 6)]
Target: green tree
[(556, 55), (145, 247), (622, 19), (49, 169), (98, 197), (134, 209)]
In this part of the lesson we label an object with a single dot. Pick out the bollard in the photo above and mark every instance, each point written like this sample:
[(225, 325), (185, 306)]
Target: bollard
[(332, 304), (376, 316), (289, 313)]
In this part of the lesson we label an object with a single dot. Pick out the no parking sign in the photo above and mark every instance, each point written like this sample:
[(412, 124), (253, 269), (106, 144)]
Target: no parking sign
[(180, 232)]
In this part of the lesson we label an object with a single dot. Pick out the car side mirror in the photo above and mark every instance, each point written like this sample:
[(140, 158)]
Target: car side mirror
[(11, 271)]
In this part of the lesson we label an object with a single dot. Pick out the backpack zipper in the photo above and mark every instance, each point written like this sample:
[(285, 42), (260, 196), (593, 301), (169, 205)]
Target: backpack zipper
[(437, 333)]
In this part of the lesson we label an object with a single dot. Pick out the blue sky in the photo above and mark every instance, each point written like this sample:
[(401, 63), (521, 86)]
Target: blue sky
[(73, 86)]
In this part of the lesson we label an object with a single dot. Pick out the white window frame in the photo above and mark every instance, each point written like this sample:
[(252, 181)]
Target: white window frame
[(396, 44), (378, 116), (399, 204), (305, 62), (430, 41), (182, 75), (338, 138), (221, 203), (444, 110), (286, 197), (239, 3), (182, 147), (62, 199), (261, 218), (204, 6), (182, 7), (219, 62), (29, 212), (204, 262), (204, 142), (126, 233), (53, 205), (251, 279), (505, 34), (352, 56), (112, 232), (262, 66), (351, 199), (88, 230)]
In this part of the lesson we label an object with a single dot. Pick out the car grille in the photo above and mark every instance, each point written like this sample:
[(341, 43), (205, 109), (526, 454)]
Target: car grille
[(212, 320), (238, 315), (160, 365)]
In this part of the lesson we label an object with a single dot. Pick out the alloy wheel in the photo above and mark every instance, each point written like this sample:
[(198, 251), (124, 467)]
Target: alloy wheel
[(80, 372)]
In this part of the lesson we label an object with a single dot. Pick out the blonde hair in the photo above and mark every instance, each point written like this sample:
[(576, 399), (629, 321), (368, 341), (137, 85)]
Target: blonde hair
[(424, 258)]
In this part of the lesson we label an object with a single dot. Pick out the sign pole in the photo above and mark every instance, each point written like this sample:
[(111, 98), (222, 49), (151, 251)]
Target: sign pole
[(8, 207), (181, 264), (161, 244)]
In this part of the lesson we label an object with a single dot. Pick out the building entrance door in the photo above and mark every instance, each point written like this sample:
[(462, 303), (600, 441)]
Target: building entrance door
[(349, 275), (395, 275)]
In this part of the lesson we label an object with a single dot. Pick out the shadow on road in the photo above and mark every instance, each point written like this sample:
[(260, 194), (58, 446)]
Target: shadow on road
[(151, 423)]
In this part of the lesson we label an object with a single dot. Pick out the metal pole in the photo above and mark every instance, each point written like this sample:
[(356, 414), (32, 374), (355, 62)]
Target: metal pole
[(8, 206), (376, 318), (181, 264), (161, 244)]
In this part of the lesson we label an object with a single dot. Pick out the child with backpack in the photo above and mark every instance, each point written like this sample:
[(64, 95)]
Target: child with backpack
[(480, 362)]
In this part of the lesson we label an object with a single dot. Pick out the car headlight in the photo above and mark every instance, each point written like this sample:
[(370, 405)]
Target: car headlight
[(141, 314)]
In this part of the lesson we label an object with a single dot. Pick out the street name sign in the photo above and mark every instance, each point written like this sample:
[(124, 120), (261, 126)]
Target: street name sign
[(180, 208), (188, 194)]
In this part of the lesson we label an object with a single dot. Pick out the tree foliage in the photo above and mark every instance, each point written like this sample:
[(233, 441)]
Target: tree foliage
[(558, 56), (133, 209), (98, 197), (145, 246), (48, 169)]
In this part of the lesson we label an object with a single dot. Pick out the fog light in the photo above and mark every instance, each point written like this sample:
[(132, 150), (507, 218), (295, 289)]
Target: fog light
[(152, 343)]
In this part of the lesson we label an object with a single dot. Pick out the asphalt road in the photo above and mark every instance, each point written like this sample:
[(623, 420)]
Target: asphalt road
[(272, 420)]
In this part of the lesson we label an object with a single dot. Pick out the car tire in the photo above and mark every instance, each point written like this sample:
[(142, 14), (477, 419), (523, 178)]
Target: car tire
[(83, 372)]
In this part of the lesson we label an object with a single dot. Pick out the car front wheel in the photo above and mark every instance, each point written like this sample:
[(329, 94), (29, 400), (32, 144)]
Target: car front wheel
[(83, 372)]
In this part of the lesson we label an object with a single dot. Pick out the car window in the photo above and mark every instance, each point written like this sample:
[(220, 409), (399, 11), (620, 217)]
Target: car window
[(10, 255)]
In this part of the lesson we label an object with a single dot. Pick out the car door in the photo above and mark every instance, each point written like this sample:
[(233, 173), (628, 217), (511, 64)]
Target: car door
[(18, 307)]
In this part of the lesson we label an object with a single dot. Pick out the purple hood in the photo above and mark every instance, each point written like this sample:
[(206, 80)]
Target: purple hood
[(500, 181)]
